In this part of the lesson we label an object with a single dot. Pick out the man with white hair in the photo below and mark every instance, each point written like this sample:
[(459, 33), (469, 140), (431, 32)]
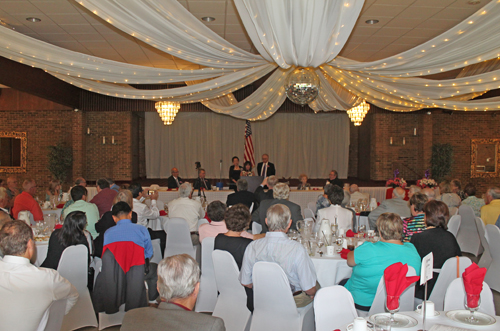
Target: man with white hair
[(179, 285), (356, 195), (395, 205), (261, 194), (413, 189), (291, 256), (281, 192), (491, 211), (12, 189), (25, 201), (188, 209), (174, 181)]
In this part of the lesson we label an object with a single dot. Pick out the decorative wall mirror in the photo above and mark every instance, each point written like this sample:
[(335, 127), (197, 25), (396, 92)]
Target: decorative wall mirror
[(485, 160), (13, 152)]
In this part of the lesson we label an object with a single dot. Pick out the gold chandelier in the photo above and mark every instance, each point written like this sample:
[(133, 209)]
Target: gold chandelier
[(358, 113), (167, 111)]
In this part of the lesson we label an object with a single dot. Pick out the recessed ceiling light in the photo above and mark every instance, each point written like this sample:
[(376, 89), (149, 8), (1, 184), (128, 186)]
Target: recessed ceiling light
[(474, 2), (208, 19), (372, 21), (33, 19)]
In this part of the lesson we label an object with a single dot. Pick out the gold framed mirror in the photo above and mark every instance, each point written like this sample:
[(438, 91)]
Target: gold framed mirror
[(485, 161), (13, 152)]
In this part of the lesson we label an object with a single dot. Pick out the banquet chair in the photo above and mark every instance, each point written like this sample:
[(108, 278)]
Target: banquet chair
[(231, 304), (454, 298), (308, 213), (333, 308), (97, 265), (178, 238), (156, 258), (407, 298), (207, 296), (53, 317), (312, 205), (447, 274), (485, 260), (274, 307), (202, 221), (468, 237), (493, 274), (256, 228), (454, 224), (73, 266)]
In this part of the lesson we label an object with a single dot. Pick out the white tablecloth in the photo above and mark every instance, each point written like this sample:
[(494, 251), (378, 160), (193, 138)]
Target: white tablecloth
[(330, 270)]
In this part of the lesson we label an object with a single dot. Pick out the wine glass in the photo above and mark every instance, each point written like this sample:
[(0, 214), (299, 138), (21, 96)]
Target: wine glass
[(339, 241), (300, 226), (362, 229), (392, 306), (320, 245), (471, 303)]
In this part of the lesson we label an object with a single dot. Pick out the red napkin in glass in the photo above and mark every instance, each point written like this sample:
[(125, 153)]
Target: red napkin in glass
[(396, 282), (349, 234), (60, 205), (163, 213), (58, 226), (473, 278), (343, 253)]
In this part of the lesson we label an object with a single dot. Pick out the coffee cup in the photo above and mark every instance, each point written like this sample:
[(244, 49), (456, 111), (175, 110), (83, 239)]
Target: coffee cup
[(330, 250), (359, 324), (429, 308)]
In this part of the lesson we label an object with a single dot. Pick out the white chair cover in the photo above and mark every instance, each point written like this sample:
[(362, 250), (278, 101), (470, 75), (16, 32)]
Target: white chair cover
[(232, 301), (447, 274), (468, 237), (454, 298), (333, 308), (202, 221), (73, 266), (406, 301), (308, 213), (312, 205), (207, 296), (454, 224), (493, 274), (178, 238), (274, 307), (52, 319), (485, 260), (107, 320), (156, 251), (256, 228)]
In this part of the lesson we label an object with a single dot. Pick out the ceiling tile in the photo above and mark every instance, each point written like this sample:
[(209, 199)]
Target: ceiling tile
[(419, 12), (376, 11), (19, 7), (405, 22), (69, 19), (55, 7), (79, 28)]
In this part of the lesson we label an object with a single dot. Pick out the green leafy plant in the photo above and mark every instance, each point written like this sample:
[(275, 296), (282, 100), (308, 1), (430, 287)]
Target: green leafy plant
[(60, 161), (441, 161)]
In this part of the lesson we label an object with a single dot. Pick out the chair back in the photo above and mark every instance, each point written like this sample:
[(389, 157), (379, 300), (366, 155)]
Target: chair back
[(447, 274), (485, 260), (493, 273), (256, 228), (53, 317), (27, 217), (468, 237), (73, 266), (454, 224), (455, 294), (333, 308), (312, 205), (178, 238), (156, 251), (308, 213), (202, 221), (231, 304), (207, 296)]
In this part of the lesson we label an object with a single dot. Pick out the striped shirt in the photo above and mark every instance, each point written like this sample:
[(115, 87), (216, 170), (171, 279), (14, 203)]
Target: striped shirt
[(412, 225)]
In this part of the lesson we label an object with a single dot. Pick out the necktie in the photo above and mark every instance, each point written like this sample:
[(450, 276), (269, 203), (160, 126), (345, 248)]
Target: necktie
[(264, 170), (177, 181)]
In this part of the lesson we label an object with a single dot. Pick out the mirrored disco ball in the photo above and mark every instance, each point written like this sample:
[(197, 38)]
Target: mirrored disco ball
[(302, 86)]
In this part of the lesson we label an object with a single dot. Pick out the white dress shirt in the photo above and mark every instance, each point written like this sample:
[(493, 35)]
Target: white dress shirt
[(145, 213), (344, 217), (188, 209), (26, 292)]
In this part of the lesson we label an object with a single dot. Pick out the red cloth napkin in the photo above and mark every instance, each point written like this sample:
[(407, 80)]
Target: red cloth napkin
[(58, 226), (60, 205), (163, 213), (396, 282), (343, 253), (473, 278), (349, 234)]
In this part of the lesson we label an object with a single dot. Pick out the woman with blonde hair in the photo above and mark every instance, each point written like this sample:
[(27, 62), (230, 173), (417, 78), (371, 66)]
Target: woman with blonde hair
[(53, 190)]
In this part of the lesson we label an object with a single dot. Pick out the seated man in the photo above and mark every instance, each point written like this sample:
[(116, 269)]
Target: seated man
[(216, 211), (179, 284), (79, 196), (201, 183), (356, 195), (27, 291), (104, 197), (289, 254), (125, 265), (80, 181), (12, 189), (113, 186), (395, 205), (491, 211), (188, 209), (242, 195), (174, 181), (343, 216), (281, 192), (25, 201), (261, 194), (334, 179), (4, 200)]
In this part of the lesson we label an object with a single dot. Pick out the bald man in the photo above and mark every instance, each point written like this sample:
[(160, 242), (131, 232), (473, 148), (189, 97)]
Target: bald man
[(174, 181), (431, 194), (395, 205), (25, 201), (356, 195)]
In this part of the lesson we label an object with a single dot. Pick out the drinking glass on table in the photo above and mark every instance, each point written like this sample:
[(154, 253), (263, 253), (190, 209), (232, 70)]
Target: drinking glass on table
[(321, 243), (362, 229), (339, 241)]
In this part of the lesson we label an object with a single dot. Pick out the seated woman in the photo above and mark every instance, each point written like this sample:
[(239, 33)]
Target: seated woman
[(72, 233), (247, 169), (107, 221), (471, 200), (371, 259), (234, 173), (237, 219), (452, 200), (53, 191), (304, 185), (435, 239), (216, 211), (415, 223)]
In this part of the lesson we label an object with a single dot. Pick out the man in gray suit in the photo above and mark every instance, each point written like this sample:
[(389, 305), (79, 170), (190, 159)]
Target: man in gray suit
[(395, 205), (281, 192), (178, 284)]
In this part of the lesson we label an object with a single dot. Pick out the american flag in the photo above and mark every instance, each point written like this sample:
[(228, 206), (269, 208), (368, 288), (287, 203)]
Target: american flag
[(249, 152)]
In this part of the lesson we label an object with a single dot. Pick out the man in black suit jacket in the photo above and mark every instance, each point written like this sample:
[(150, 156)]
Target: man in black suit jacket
[(334, 179), (281, 192), (201, 182), (174, 181), (262, 195), (268, 170), (242, 195)]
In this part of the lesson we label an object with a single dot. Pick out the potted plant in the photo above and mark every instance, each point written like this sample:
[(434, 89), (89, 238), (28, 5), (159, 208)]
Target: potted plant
[(60, 162), (441, 161)]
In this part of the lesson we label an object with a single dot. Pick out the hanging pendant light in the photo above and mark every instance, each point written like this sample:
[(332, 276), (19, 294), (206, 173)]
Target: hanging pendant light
[(167, 111), (358, 113)]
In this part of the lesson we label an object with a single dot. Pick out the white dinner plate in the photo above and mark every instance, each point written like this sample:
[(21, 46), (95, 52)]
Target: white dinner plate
[(462, 315)]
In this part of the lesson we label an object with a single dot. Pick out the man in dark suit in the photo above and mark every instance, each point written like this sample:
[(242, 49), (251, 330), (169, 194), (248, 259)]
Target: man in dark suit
[(242, 195), (174, 181), (262, 195), (333, 178), (265, 168), (178, 284), (281, 192), (201, 182)]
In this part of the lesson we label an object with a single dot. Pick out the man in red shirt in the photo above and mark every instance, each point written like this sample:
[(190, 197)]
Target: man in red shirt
[(104, 197), (25, 201)]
